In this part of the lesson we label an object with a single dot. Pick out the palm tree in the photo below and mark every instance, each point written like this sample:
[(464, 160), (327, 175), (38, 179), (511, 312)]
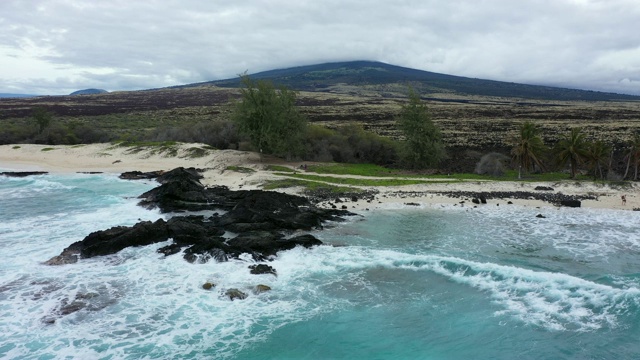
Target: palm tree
[(597, 155), (528, 148), (573, 149), (633, 156)]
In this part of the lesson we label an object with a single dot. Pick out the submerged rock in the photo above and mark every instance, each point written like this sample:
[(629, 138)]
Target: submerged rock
[(66, 257), (235, 294), (259, 289), (208, 285), (260, 269)]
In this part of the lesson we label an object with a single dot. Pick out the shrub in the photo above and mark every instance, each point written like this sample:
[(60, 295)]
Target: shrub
[(85, 134), (219, 134), (13, 133), (349, 144), (492, 164)]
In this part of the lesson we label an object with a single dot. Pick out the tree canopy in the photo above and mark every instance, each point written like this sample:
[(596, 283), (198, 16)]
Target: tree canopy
[(43, 118), (528, 148), (423, 146), (269, 118), (572, 148)]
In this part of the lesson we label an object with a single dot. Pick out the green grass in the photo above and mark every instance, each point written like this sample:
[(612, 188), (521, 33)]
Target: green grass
[(307, 185), (360, 181), (16, 147), (47, 149), (380, 171), (354, 169)]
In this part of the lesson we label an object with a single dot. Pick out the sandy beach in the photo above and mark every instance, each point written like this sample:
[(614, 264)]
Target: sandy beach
[(108, 158)]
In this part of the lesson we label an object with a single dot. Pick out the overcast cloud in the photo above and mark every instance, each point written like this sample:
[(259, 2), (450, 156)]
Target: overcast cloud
[(59, 46)]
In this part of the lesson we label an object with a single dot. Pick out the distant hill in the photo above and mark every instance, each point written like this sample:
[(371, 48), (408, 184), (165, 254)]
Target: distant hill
[(390, 79), (89, 92), (6, 95)]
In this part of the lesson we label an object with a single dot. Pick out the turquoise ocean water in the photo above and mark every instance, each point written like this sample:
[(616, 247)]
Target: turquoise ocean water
[(439, 282)]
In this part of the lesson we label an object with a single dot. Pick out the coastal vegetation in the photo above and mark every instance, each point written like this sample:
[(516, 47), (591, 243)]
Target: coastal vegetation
[(354, 113), (422, 147), (269, 118)]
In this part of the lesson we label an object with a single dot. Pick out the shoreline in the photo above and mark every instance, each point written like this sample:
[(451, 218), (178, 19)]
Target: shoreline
[(109, 158)]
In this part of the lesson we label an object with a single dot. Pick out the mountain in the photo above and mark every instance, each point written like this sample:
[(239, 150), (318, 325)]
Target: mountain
[(389, 79), (89, 92)]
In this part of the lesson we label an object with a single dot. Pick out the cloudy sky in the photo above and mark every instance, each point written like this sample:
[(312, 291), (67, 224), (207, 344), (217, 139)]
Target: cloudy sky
[(59, 46)]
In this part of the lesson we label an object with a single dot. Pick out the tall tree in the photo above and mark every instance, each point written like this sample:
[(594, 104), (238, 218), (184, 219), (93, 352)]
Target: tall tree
[(423, 146), (528, 148), (269, 117), (572, 148), (632, 155), (43, 118), (597, 156)]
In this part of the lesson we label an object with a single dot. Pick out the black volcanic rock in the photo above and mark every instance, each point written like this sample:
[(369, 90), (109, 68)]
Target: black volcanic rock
[(570, 203), (139, 175), (22, 173), (261, 220), (180, 174), (180, 191), (111, 241), (259, 269)]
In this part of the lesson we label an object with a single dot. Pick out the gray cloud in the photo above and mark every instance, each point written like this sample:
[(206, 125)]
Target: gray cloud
[(57, 46)]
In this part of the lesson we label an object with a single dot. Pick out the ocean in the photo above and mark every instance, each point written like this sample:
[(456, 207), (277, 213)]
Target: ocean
[(405, 282)]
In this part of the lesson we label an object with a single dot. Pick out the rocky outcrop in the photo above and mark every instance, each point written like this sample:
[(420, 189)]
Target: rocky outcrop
[(111, 241), (22, 173), (263, 221), (139, 175), (570, 203)]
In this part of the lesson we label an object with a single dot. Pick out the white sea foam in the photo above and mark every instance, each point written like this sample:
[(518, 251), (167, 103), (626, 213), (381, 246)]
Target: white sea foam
[(550, 300), (143, 305)]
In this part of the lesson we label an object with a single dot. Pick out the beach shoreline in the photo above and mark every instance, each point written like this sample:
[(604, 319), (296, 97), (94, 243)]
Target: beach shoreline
[(110, 158)]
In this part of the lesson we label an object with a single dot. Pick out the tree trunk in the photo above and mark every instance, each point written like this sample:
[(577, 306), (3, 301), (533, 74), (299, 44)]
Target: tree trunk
[(626, 172)]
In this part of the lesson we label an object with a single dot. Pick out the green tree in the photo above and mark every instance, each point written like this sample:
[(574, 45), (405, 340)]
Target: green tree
[(423, 146), (573, 149), (632, 155), (528, 148), (270, 119), (597, 156), (42, 117)]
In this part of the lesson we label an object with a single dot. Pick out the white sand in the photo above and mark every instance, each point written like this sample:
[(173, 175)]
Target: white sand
[(116, 159)]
